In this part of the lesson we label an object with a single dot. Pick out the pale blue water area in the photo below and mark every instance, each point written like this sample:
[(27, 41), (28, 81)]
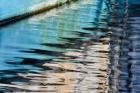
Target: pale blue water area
[(15, 7)]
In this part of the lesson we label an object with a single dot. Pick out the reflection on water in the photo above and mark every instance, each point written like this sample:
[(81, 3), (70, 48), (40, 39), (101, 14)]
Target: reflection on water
[(17, 7), (124, 57), (65, 52)]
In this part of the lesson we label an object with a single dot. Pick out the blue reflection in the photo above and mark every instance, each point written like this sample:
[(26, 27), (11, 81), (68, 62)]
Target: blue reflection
[(14, 7), (37, 40)]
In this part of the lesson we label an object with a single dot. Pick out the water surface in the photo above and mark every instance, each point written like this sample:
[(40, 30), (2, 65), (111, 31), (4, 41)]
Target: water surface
[(61, 51)]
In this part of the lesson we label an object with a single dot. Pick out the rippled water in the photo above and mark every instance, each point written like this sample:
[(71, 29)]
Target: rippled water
[(65, 50), (17, 7), (74, 48), (124, 57)]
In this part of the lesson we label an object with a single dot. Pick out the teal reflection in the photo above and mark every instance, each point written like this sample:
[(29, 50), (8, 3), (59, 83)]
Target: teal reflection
[(15, 7), (31, 38)]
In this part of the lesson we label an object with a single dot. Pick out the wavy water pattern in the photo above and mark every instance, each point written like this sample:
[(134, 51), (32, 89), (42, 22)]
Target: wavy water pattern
[(65, 50)]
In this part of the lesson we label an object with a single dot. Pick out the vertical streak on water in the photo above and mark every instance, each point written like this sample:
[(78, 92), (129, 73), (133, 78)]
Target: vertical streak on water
[(134, 37), (114, 47), (124, 61), (120, 46)]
